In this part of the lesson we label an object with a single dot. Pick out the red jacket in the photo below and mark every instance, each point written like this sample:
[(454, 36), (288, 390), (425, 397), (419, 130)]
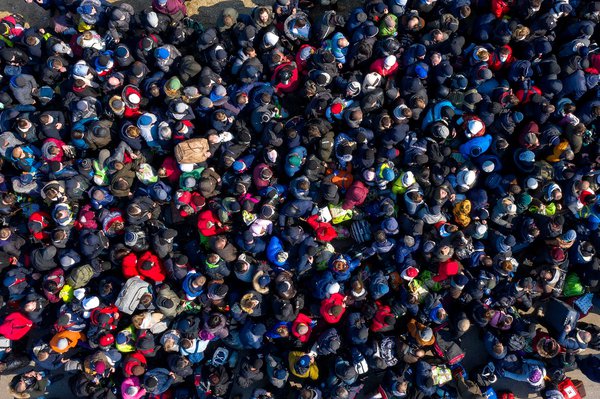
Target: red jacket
[(107, 323), (38, 221), (171, 169), (302, 318), (378, 322), (207, 224), (15, 326), (129, 265), (525, 95), (156, 272), (327, 304), (377, 66), (132, 360), (324, 231), (495, 64), (446, 269), (500, 7), (291, 86), (86, 218)]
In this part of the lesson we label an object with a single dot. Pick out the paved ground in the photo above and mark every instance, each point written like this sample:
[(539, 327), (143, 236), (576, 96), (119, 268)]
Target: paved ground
[(207, 11)]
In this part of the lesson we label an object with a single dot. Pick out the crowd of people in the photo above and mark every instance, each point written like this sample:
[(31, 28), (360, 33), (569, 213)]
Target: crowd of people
[(299, 202)]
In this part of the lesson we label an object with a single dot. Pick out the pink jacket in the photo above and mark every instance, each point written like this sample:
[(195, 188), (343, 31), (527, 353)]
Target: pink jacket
[(132, 382)]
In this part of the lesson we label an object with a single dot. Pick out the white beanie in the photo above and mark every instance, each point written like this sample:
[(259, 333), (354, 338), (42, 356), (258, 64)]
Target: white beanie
[(270, 39), (389, 61), (152, 19), (333, 288)]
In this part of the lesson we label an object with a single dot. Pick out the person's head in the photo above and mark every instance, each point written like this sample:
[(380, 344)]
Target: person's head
[(185, 343), (43, 355), (302, 329), (343, 42), (263, 15), (199, 281), (498, 348), (30, 306)]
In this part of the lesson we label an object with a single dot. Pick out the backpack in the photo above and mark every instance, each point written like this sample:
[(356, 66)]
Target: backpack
[(341, 178), (339, 215), (80, 276), (449, 351), (192, 151), (130, 295), (573, 286), (361, 231), (485, 375)]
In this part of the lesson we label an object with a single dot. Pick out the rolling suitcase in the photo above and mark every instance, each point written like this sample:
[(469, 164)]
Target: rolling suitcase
[(558, 314)]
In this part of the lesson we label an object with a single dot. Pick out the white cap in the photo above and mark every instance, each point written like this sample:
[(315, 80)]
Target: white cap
[(474, 126), (488, 166), (481, 229), (389, 61), (408, 179), (466, 178), (79, 293), (186, 167), (271, 38), (372, 79), (369, 175), (134, 98), (90, 303), (62, 343), (333, 288), (531, 183)]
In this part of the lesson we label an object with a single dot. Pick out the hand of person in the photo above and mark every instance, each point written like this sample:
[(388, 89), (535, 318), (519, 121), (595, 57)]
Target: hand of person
[(568, 328)]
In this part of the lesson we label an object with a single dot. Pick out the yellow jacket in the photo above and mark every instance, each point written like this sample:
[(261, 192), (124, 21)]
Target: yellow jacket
[(312, 372)]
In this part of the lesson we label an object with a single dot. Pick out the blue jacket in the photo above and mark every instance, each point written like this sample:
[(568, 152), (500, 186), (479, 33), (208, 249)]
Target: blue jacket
[(164, 380), (571, 343), (338, 52), (434, 113), (343, 275), (251, 335), (196, 352), (290, 169), (190, 291), (476, 146), (320, 283), (273, 248)]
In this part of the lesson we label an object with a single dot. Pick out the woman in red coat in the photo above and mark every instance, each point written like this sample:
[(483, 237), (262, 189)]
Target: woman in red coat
[(15, 326), (135, 364), (384, 320), (209, 224), (324, 231), (302, 327), (333, 308), (129, 265), (150, 267)]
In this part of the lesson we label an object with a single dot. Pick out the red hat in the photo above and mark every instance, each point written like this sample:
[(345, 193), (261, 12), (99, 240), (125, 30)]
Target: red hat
[(409, 273), (336, 108), (106, 340)]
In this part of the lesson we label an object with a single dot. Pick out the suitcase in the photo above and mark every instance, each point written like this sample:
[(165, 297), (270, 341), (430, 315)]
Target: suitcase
[(568, 389), (558, 314), (192, 151)]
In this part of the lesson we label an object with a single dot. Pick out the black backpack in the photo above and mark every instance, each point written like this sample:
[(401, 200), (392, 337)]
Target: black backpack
[(449, 351)]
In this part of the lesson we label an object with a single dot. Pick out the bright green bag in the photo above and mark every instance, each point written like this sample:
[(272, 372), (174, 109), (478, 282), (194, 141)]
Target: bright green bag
[(573, 286)]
